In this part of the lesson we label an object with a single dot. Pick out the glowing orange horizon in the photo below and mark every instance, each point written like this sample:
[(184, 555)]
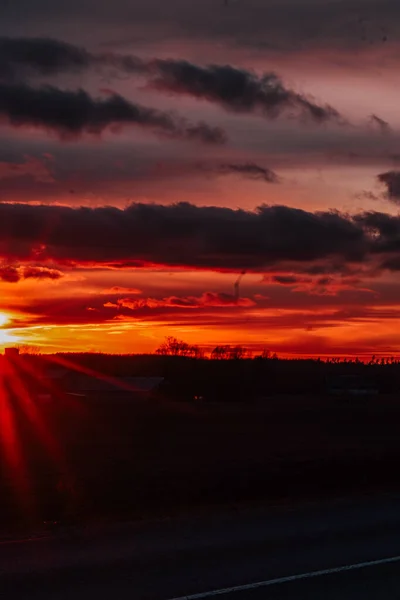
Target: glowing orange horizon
[(84, 313), (136, 337)]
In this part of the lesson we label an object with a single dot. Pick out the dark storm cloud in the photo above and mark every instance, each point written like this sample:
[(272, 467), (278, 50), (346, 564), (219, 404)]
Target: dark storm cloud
[(40, 56), (183, 235), (384, 231), (391, 180), (43, 56), (236, 90), (214, 238), (71, 113), (248, 171)]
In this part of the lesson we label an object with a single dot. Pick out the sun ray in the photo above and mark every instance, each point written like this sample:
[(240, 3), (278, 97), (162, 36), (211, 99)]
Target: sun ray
[(87, 371), (30, 409), (13, 458)]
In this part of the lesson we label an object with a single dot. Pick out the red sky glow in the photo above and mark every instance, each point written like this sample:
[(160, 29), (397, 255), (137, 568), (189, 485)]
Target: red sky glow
[(154, 153)]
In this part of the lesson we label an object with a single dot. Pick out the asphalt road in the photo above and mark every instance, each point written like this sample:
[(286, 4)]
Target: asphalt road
[(286, 553)]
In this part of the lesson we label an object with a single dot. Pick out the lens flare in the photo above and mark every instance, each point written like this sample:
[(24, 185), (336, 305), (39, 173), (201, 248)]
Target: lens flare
[(6, 336)]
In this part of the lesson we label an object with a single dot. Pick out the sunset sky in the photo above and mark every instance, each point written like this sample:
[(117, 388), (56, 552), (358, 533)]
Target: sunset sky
[(154, 152)]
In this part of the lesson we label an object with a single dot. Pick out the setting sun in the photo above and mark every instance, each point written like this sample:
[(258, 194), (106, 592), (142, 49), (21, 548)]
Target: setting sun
[(5, 336), (3, 320)]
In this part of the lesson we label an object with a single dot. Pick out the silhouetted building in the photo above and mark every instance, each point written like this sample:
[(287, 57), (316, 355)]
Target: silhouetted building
[(11, 353)]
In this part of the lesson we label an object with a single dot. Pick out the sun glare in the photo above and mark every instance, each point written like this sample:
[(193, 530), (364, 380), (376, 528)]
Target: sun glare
[(6, 337)]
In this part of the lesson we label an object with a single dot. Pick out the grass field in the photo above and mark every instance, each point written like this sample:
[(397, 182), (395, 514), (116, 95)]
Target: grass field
[(141, 459)]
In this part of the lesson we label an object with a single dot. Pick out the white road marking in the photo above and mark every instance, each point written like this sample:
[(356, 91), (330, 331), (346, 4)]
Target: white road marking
[(269, 582)]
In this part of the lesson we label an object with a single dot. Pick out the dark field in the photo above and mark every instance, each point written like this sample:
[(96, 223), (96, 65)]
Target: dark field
[(145, 459)]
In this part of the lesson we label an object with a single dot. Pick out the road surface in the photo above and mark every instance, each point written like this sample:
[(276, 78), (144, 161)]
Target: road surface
[(342, 551)]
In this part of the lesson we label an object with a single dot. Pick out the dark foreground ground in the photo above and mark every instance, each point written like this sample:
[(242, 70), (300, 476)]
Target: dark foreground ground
[(355, 545), (128, 461)]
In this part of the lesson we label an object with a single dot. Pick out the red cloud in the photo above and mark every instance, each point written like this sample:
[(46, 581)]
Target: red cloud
[(207, 299), (14, 274), (41, 273), (325, 285), (122, 290), (9, 274), (31, 167)]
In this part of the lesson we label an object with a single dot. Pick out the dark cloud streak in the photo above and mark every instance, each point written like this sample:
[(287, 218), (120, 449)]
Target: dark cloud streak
[(248, 171), (71, 113), (24, 57), (382, 125), (236, 90), (188, 236), (391, 180), (13, 274)]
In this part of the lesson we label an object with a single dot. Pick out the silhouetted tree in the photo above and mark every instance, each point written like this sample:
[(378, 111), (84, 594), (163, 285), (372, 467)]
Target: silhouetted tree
[(174, 347), (196, 352), (237, 352), (220, 352), (27, 349)]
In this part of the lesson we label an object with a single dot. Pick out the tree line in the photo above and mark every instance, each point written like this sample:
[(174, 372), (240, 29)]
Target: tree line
[(175, 347)]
